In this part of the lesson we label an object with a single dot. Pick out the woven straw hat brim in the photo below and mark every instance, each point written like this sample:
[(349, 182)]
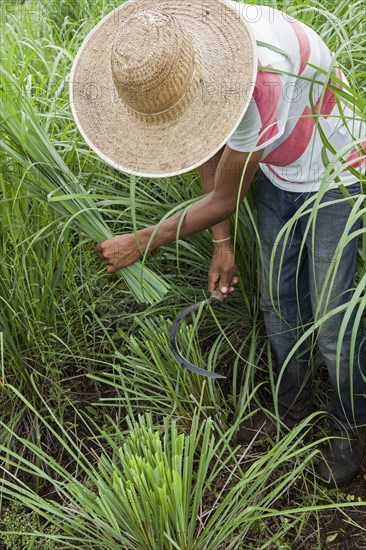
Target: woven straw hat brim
[(166, 147)]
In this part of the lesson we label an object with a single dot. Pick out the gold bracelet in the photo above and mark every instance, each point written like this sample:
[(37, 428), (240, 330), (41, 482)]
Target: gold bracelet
[(221, 240)]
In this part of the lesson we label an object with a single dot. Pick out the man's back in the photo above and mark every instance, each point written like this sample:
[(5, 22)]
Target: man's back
[(280, 118)]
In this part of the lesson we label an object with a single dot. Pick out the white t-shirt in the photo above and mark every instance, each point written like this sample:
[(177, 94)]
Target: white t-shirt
[(279, 118)]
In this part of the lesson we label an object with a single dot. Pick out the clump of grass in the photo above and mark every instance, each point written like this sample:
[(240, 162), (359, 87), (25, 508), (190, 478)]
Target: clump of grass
[(159, 485), (47, 177)]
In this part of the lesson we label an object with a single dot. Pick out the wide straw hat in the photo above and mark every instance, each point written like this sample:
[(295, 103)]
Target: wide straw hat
[(158, 86)]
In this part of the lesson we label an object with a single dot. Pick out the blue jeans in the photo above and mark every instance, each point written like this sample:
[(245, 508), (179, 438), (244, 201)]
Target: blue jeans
[(296, 300)]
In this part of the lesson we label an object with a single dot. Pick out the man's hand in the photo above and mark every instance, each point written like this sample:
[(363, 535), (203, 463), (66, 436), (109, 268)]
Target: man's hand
[(222, 269), (119, 251)]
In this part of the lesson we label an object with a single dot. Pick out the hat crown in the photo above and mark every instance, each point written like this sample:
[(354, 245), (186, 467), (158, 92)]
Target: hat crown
[(153, 62)]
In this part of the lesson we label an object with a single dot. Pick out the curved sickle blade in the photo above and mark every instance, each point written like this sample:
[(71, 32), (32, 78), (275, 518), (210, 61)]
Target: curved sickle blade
[(174, 344)]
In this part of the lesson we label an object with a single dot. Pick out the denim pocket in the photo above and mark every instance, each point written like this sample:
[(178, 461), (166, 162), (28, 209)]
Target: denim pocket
[(353, 189)]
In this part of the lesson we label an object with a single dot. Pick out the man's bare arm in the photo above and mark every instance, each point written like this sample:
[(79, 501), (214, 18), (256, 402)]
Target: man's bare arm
[(207, 173), (214, 208)]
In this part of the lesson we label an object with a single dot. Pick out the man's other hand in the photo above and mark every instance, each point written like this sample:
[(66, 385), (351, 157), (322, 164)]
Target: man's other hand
[(222, 269)]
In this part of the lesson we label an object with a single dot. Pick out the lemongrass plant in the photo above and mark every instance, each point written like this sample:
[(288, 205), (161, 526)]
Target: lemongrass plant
[(149, 378), (47, 177), (158, 487)]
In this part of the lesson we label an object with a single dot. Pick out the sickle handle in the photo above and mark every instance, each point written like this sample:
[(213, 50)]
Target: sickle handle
[(217, 297)]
